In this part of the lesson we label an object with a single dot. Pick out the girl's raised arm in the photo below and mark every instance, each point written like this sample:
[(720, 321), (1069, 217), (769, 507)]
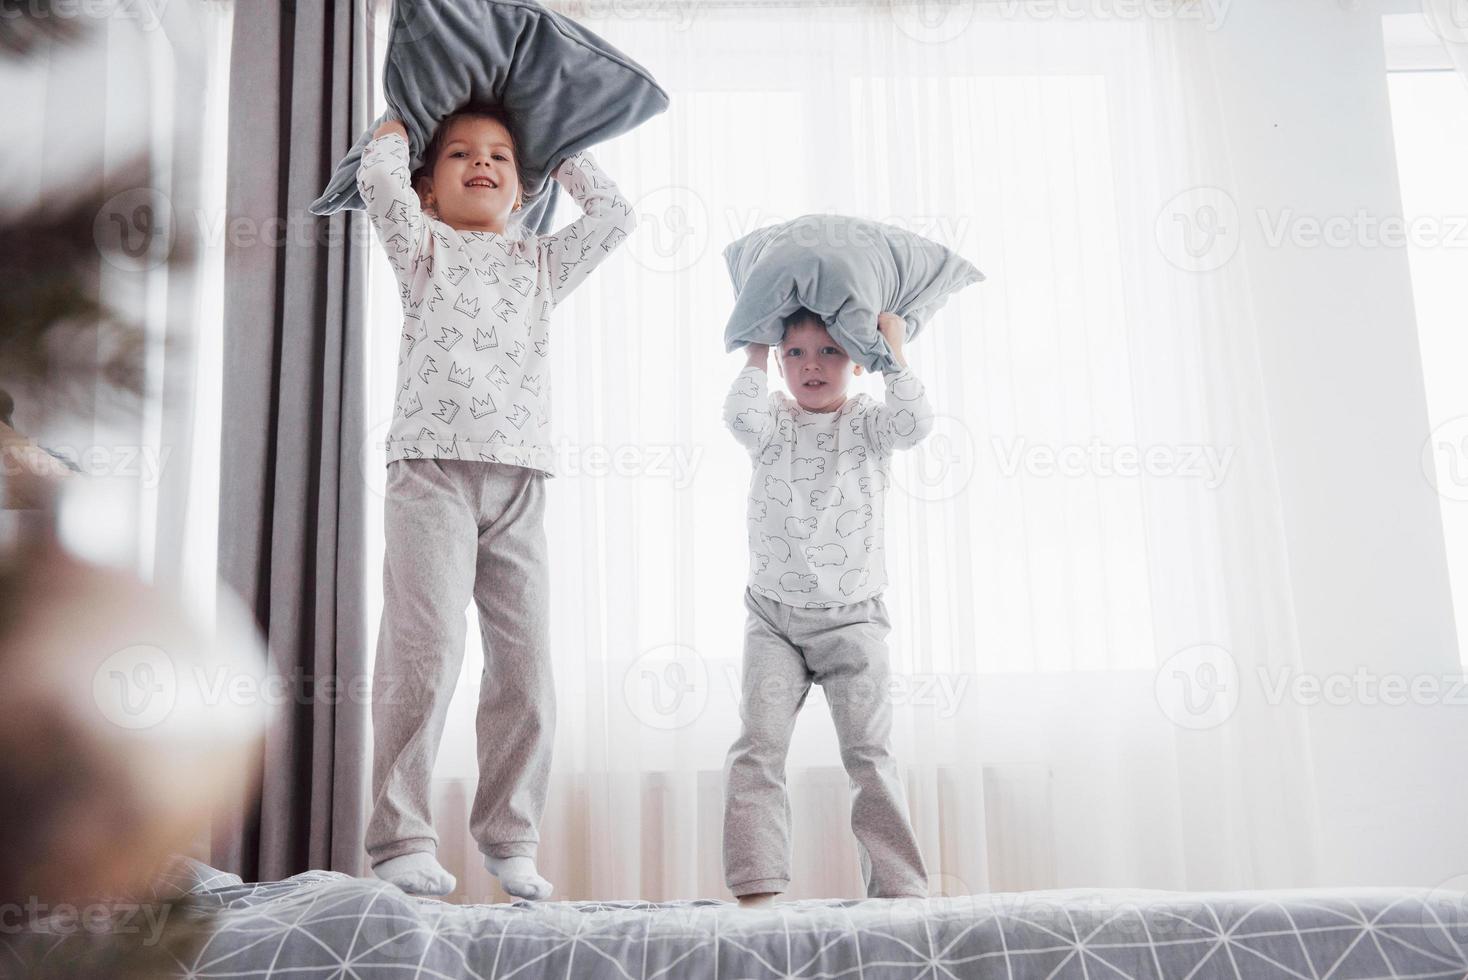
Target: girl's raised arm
[(392, 204), (573, 251)]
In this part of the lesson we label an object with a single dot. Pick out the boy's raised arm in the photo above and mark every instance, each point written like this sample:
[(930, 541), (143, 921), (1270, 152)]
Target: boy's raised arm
[(747, 406), (905, 418)]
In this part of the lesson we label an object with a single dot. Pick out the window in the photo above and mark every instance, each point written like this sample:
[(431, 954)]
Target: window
[(1429, 104)]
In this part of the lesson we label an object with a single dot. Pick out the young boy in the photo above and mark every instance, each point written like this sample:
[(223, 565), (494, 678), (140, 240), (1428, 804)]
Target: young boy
[(815, 601), (468, 455)]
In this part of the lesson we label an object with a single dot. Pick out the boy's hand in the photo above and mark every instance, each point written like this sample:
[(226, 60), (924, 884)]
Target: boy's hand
[(894, 329), (391, 126), (759, 356)]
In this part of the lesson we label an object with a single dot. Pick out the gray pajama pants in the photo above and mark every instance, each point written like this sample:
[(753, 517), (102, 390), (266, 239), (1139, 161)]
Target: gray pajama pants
[(844, 650), (456, 530)]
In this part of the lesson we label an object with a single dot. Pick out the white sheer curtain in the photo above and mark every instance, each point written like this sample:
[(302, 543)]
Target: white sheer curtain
[(1059, 623)]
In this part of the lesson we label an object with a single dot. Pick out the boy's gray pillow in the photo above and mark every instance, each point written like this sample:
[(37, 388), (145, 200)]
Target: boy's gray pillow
[(847, 270), (564, 88)]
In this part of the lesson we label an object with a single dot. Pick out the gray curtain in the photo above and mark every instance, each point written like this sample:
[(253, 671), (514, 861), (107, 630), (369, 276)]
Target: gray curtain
[(291, 489)]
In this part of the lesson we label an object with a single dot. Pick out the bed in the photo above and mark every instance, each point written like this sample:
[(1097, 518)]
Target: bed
[(324, 924)]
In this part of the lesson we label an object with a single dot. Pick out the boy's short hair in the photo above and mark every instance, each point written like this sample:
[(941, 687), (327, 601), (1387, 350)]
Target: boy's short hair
[(472, 110), (800, 316), (7, 406)]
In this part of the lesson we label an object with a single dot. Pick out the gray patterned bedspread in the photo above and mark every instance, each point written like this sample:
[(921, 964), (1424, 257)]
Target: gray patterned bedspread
[(328, 925)]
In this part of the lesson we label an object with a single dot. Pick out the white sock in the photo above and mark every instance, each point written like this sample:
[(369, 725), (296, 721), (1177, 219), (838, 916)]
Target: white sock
[(418, 873), (518, 877)]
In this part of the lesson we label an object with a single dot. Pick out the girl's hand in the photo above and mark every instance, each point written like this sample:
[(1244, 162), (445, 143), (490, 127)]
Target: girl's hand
[(391, 126), (759, 355), (894, 330)]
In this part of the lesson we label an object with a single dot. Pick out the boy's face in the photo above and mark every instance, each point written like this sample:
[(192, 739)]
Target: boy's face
[(814, 366), (473, 185)]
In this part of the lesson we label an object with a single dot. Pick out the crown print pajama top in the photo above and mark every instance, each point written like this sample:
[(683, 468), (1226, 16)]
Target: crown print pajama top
[(473, 367), (820, 478)]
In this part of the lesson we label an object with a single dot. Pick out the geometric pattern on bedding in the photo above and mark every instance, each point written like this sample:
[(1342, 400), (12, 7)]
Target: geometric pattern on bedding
[(324, 924)]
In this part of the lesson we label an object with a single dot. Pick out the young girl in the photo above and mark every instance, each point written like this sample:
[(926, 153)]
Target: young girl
[(468, 455)]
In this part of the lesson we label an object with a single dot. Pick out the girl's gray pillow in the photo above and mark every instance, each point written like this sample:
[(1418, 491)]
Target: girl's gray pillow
[(564, 88), (847, 270)]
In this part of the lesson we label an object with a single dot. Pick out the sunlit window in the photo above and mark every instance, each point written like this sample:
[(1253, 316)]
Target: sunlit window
[(1430, 118)]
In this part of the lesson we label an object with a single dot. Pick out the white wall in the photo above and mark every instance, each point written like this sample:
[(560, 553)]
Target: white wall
[(1349, 419)]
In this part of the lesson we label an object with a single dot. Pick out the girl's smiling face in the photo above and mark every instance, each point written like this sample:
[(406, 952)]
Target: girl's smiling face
[(814, 366), (474, 184)]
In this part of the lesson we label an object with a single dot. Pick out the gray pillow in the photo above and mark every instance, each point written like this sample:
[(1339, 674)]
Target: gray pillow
[(847, 270), (563, 88)]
